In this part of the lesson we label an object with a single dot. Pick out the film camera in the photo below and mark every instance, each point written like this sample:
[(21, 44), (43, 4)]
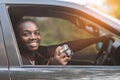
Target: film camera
[(66, 50)]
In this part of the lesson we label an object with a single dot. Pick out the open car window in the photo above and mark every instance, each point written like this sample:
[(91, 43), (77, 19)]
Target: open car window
[(58, 25)]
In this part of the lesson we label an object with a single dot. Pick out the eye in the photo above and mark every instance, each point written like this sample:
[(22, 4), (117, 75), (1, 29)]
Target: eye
[(37, 33), (26, 34)]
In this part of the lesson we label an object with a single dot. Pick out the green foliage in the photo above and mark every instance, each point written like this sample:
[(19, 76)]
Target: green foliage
[(54, 30)]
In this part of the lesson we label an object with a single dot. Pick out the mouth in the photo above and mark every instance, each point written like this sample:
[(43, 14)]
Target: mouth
[(33, 44)]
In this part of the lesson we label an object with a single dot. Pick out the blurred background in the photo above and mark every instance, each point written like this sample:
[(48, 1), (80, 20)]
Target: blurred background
[(111, 7)]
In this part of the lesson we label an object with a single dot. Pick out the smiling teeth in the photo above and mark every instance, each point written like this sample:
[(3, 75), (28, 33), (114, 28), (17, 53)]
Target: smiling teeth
[(33, 44)]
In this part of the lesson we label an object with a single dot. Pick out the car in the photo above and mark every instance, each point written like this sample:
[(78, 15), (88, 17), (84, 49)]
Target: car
[(67, 21)]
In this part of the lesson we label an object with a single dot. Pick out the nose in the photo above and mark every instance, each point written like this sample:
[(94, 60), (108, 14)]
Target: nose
[(32, 36)]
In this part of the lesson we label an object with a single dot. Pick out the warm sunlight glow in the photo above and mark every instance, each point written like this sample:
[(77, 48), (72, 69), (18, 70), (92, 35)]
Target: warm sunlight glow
[(89, 2), (99, 4), (95, 3), (110, 7)]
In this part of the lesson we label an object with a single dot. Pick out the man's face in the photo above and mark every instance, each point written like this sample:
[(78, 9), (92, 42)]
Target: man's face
[(29, 36)]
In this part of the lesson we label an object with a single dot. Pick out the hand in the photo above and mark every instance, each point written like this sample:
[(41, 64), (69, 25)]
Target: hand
[(108, 37), (59, 58)]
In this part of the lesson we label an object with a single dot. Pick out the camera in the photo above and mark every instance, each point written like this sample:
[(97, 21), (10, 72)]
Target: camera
[(66, 50)]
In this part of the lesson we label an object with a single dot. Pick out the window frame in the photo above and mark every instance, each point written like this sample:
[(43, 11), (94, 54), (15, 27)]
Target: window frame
[(3, 56), (74, 21), (9, 39)]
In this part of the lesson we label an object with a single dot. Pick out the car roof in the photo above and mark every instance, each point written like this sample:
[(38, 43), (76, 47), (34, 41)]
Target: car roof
[(108, 20)]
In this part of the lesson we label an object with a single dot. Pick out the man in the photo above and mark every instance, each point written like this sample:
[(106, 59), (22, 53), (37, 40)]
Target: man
[(28, 38)]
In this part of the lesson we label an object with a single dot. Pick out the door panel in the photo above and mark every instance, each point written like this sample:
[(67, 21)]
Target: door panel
[(65, 73)]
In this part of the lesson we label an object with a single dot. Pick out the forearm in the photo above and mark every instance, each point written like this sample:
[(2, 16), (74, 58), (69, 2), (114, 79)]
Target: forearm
[(77, 45)]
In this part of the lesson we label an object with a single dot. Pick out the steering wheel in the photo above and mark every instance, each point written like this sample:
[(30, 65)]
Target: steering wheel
[(104, 52)]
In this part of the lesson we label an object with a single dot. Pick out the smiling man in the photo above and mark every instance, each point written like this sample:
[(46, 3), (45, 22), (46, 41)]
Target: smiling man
[(28, 37)]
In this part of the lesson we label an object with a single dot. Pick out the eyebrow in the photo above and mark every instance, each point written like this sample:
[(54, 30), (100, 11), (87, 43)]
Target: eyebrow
[(29, 31)]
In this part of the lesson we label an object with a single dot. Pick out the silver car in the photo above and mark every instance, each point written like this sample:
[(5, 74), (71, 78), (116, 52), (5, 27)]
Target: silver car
[(74, 19)]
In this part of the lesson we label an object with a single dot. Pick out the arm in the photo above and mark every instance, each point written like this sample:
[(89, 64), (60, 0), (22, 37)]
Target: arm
[(82, 43), (74, 46)]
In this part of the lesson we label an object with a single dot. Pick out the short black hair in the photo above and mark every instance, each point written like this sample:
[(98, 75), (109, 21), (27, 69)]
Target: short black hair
[(26, 20), (16, 26)]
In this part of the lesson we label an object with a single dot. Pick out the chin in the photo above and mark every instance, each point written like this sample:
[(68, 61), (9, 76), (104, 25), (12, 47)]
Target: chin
[(33, 49)]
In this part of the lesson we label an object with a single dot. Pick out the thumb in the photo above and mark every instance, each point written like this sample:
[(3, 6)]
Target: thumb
[(57, 51)]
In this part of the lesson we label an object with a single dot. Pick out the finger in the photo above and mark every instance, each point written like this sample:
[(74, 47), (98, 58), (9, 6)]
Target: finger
[(109, 36), (65, 59), (57, 51), (65, 63), (62, 55)]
